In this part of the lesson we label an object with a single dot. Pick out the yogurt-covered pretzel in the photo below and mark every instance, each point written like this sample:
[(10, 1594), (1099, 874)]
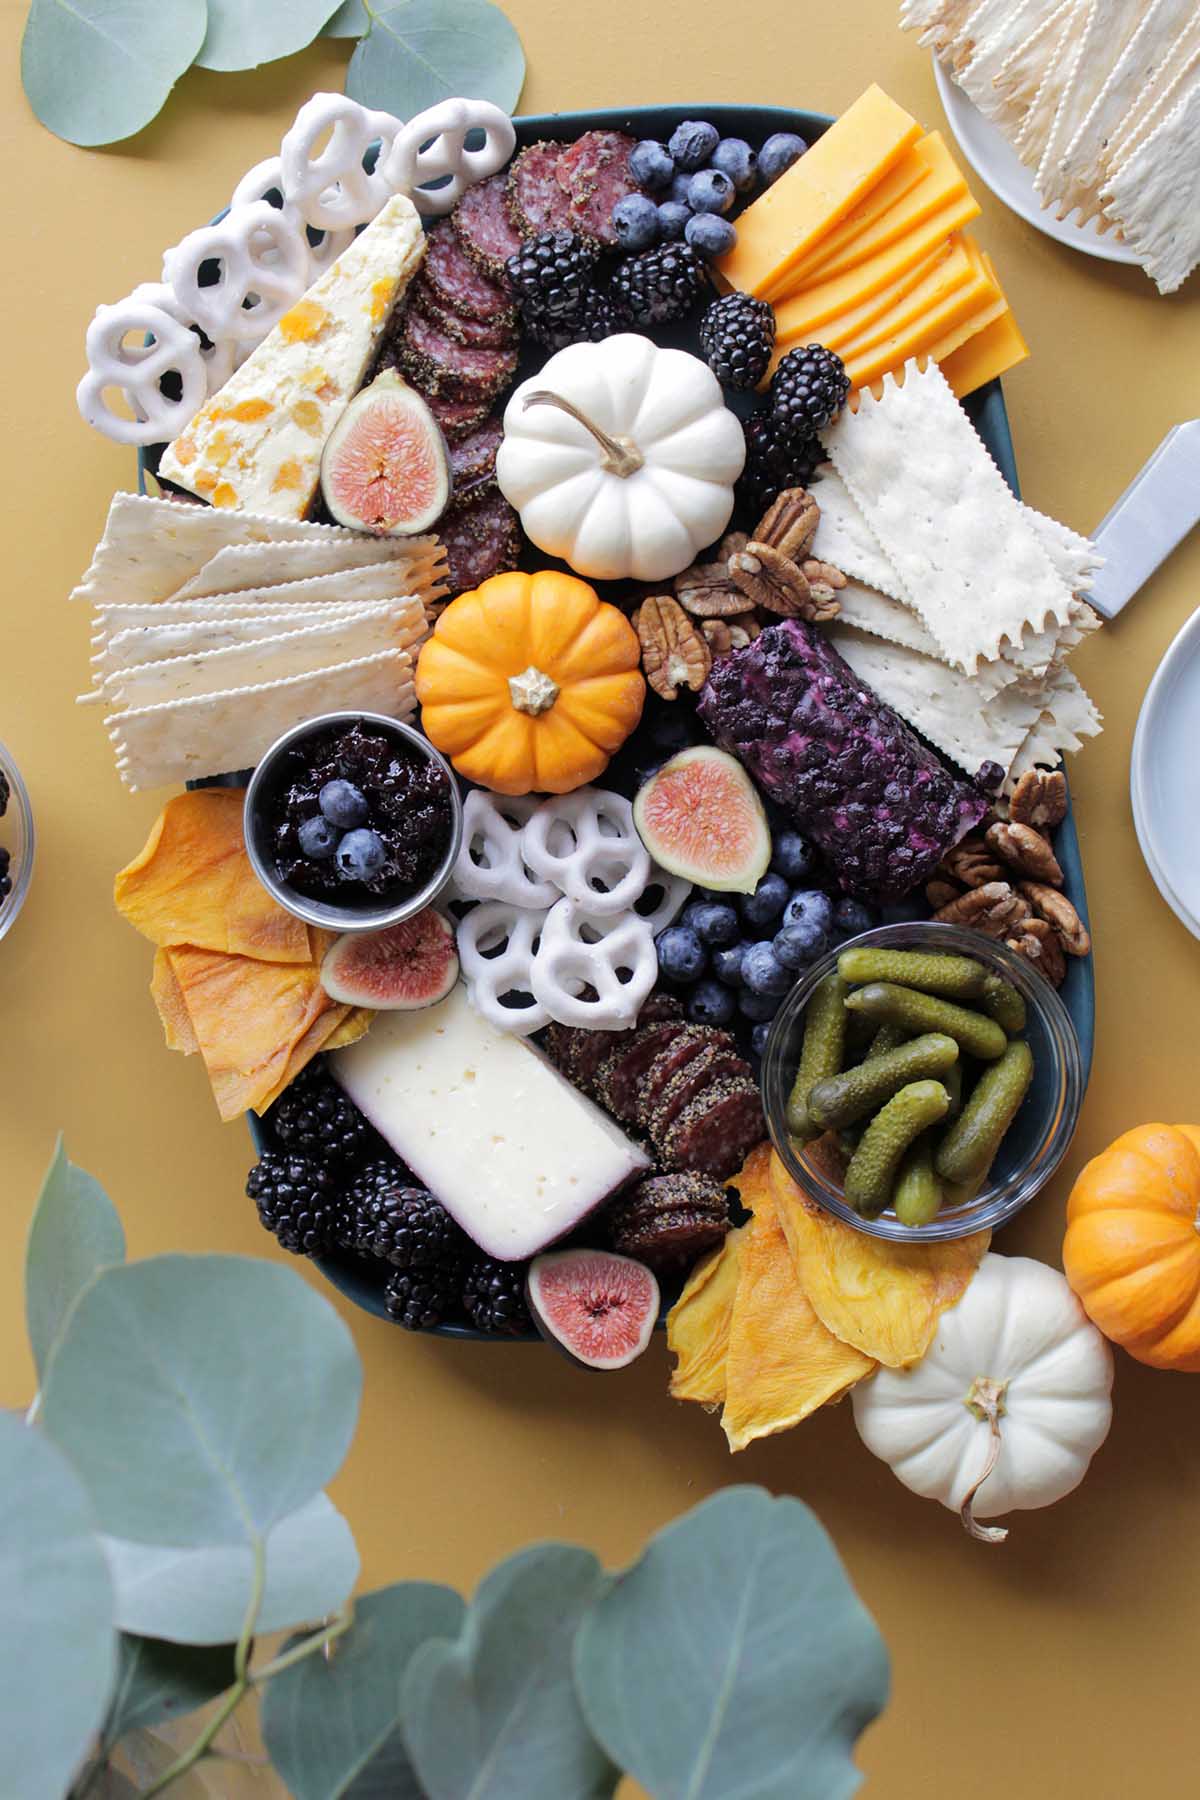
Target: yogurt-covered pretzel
[(491, 864), (587, 845), (264, 268), (120, 357), (412, 160), (674, 890), (583, 952), (265, 182), (496, 954), (330, 187)]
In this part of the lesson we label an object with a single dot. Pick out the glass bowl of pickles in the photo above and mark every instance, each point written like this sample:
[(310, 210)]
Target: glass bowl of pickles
[(922, 1082)]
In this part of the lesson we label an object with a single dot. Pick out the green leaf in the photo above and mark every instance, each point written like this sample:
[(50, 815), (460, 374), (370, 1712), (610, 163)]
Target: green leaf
[(494, 1715), (74, 1232), (388, 1776), (58, 1649), (350, 20), (158, 1681), (202, 1398), (422, 51), (96, 71), (244, 33), (325, 1722), (734, 1658), (201, 1596)]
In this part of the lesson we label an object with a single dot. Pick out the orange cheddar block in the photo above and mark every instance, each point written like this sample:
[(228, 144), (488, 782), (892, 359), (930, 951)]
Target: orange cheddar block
[(978, 302), (837, 311), (988, 352), (817, 192)]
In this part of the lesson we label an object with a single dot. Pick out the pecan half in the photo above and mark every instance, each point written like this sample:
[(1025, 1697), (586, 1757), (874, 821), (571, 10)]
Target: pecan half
[(1057, 911), (1039, 799), (730, 544), (724, 636), (790, 524), (824, 581), (1040, 945), (674, 654), (773, 581), (1025, 850), (994, 909), (708, 591), (971, 862), (941, 893)]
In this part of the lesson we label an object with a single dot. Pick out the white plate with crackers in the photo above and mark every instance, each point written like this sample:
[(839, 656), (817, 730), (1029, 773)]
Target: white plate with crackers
[(1165, 779)]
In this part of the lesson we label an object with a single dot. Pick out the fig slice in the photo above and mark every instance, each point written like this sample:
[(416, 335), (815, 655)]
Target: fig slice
[(598, 1308), (399, 969), (700, 816), (385, 468)]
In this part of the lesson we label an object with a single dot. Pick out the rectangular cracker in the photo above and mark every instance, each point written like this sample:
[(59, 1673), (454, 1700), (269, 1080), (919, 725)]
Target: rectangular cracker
[(882, 617), (341, 587), (162, 642), (216, 734), (1100, 39), (994, 31), (1169, 84), (1032, 135), (240, 566), (1015, 85), (1155, 197)]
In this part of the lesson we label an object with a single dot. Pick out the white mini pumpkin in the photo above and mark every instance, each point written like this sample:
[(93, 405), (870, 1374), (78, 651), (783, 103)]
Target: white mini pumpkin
[(621, 457), (1009, 1405)]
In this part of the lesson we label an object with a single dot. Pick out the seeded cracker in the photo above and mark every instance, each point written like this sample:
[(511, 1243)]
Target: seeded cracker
[(967, 560), (1155, 197)]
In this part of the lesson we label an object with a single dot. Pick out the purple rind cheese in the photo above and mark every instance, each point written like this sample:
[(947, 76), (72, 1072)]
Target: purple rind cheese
[(879, 805)]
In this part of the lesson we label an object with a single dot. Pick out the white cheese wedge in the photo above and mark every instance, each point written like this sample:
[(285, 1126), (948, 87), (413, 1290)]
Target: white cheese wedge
[(256, 445), (510, 1149)]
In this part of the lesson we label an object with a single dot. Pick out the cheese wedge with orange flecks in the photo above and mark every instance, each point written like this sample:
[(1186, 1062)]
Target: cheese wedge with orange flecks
[(256, 445)]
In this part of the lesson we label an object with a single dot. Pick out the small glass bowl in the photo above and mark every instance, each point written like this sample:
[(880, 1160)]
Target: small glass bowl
[(16, 834), (366, 916), (1035, 1142)]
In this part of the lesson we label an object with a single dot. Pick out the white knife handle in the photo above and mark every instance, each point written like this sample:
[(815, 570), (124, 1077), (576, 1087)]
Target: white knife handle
[(1154, 514)]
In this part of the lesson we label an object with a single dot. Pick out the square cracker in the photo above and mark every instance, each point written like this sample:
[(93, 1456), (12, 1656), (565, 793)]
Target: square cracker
[(240, 566), (1155, 197)]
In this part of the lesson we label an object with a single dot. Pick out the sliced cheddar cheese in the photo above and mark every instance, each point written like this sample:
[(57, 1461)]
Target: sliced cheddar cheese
[(891, 348), (992, 351), (818, 191), (957, 272), (835, 312)]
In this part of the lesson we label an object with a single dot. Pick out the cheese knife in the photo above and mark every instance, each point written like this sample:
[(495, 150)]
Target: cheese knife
[(1154, 514)]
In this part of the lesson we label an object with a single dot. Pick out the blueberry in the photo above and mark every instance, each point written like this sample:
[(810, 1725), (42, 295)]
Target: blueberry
[(759, 1036), (635, 222), (681, 187), (735, 158), (317, 838), (762, 971), (711, 192), (712, 924), (768, 900), (727, 963), (343, 804), (851, 918), (759, 1007), (711, 1004), (798, 945), (681, 955), (651, 165), (779, 153), (809, 907), (692, 143), (361, 854), (709, 236), (793, 856), (672, 221)]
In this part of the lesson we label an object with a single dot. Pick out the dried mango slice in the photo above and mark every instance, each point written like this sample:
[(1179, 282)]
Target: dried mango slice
[(356, 1024), (883, 1298), (698, 1323), (172, 1007), (193, 884)]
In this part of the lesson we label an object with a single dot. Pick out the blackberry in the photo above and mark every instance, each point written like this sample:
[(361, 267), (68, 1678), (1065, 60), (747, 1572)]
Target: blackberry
[(659, 285), (737, 336), (298, 1201), (807, 390), (551, 274), (407, 1227), (371, 1185), (421, 1298), (596, 318), (315, 1118), (773, 464), (494, 1297)]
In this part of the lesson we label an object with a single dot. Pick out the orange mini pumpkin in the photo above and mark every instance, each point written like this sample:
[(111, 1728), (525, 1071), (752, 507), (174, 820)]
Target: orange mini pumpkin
[(1132, 1249), (530, 683)]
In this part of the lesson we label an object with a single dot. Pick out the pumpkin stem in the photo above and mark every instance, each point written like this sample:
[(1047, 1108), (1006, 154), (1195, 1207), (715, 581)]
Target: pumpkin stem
[(621, 456), (532, 692), (986, 1401)]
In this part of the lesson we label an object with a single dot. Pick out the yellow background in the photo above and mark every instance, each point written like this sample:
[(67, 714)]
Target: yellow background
[(1062, 1664)]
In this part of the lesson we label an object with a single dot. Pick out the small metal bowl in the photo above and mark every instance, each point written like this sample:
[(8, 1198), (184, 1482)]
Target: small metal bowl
[(365, 916), (16, 834)]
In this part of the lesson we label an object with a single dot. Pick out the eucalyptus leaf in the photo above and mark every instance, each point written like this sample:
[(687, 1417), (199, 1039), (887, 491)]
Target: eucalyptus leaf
[(734, 1658), (201, 1596), (325, 1722), (58, 1650), (74, 1232), (244, 33), (157, 1682), (350, 20), (494, 1716), (96, 71), (202, 1398), (388, 1776), (422, 51)]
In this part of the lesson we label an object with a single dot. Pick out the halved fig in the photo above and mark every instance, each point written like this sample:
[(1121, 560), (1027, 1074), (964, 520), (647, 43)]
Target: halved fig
[(598, 1308), (399, 969), (700, 816), (384, 467)]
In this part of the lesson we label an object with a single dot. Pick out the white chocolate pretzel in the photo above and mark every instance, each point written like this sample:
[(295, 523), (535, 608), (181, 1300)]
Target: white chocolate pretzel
[(265, 182), (583, 952), (587, 845), (264, 263), (413, 160), (331, 187), (496, 950), (132, 346), (491, 864)]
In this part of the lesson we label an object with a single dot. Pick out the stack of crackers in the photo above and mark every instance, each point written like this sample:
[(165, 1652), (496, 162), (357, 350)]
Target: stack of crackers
[(962, 604), (216, 631), (1100, 98)]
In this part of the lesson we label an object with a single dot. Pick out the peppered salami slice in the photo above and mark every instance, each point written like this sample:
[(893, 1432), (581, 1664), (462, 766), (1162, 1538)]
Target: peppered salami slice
[(716, 1132), (589, 155), (536, 202), (482, 539), (716, 1062), (473, 460), (458, 418), (477, 334), (437, 365), (459, 285), (621, 1079), (666, 1065), (483, 224), (594, 172)]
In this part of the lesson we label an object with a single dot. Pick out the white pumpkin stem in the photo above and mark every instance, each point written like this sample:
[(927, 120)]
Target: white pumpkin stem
[(986, 1401), (621, 456), (532, 692)]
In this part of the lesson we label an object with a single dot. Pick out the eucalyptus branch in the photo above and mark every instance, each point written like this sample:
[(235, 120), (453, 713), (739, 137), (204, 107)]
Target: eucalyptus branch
[(320, 1641)]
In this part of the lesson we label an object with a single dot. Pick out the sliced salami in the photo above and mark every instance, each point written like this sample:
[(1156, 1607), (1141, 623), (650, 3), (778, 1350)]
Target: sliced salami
[(621, 1079), (459, 285), (594, 172), (717, 1131), (535, 200), (458, 418), (716, 1062), (473, 461), (437, 365), (589, 155), (483, 224), (481, 539), (477, 334), (666, 1065)]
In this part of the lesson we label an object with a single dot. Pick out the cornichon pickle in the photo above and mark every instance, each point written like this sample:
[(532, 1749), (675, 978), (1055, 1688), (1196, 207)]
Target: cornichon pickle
[(932, 971), (965, 1153), (893, 1005), (917, 1195), (1003, 1002), (821, 1053), (888, 1037), (952, 1081), (840, 1099), (872, 1171)]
